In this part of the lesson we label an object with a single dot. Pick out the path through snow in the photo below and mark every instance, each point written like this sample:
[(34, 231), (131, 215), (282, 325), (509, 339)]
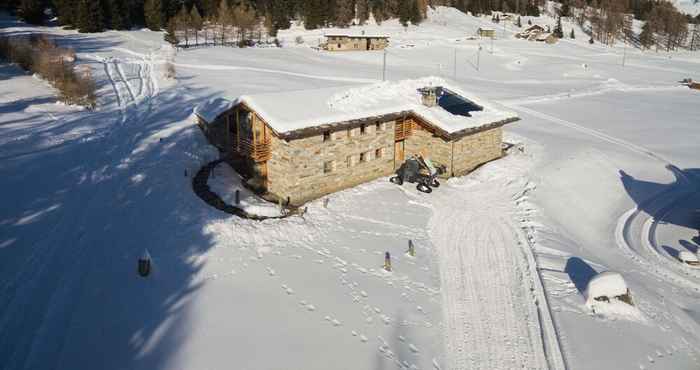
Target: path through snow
[(491, 294)]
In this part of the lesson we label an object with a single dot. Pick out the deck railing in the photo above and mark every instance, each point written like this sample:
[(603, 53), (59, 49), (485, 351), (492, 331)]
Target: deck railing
[(259, 152)]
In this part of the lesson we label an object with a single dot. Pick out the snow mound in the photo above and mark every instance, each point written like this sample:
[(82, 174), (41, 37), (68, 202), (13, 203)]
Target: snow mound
[(686, 257), (606, 284)]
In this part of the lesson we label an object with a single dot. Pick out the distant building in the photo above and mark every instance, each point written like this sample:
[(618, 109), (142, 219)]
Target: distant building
[(529, 31), (347, 42), (486, 32), (301, 145), (547, 37)]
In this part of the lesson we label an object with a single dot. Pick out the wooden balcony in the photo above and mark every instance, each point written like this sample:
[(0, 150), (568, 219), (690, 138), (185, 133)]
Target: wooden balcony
[(259, 152), (403, 129)]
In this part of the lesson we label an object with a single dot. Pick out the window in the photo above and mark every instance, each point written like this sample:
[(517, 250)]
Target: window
[(363, 157), (326, 136), (328, 166), (379, 153), (363, 130), (378, 126)]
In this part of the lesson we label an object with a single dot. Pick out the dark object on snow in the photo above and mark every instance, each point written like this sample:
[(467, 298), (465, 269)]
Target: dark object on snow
[(387, 261), (419, 170), (145, 264)]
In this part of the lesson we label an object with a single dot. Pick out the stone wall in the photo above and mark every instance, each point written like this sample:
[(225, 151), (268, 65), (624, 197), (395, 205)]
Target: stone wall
[(459, 156), (474, 150), (311, 167)]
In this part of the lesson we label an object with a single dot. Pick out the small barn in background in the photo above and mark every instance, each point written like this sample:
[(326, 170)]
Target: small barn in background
[(348, 42), (486, 32)]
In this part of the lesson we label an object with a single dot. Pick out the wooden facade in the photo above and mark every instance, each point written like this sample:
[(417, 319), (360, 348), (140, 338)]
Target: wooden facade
[(355, 42)]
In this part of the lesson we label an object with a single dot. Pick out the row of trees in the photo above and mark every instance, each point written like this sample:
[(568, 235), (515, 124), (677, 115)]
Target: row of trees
[(610, 20), (40, 55)]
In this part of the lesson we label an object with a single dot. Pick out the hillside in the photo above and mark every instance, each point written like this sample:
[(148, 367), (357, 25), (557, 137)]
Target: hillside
[(602, 175)]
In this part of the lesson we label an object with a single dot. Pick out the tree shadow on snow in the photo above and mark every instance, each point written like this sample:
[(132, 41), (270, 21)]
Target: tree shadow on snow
[(692, 248), (79, 217), (642, 192), (673, 252), (579, 272)]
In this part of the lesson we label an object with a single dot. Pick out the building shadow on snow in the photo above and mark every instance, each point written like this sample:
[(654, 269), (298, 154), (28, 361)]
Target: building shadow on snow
[(642, 192)]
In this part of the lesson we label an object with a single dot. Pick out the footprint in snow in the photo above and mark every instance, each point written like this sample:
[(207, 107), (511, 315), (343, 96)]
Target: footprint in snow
[(413, 348), (270, 271)]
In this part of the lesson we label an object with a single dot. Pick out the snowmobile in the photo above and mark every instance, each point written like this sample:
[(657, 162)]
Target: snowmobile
[(418, 169)]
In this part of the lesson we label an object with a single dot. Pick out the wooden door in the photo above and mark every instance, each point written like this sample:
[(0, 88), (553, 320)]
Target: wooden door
[(398, 153)]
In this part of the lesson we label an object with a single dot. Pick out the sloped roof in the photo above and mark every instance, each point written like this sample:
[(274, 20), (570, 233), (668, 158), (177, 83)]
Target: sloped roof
[(290, 111)]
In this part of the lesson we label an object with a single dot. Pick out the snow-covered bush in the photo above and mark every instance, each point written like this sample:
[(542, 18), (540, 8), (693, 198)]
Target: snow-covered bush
[(689, 258), (605, 287)]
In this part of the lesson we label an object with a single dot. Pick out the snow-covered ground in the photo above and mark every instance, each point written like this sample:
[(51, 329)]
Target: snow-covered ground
[(604, 176)]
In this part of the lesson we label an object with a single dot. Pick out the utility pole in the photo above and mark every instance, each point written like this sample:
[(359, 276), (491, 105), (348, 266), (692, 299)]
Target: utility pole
[(384, 67), (478, 56), (624, 52), (454, 72), (492, 45)]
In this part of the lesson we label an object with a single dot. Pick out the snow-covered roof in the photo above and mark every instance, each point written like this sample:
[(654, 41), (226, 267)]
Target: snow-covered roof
[(543, 36), (482, 28), (371, 36), (211, 109), (606, 284), (286, 112)]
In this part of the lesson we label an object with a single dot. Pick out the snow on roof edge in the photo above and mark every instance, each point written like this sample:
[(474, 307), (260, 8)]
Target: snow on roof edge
[(337, 105)]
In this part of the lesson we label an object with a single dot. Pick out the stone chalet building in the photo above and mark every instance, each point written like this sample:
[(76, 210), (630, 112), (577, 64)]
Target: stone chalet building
[(300, 145), (348, 42)]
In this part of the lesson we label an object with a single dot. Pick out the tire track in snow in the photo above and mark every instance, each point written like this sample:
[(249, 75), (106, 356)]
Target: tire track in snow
[(122, 76), (488, 299)]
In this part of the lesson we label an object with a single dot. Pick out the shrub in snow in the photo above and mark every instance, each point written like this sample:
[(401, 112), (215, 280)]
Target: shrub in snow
[(689, 258), (605, 287), (299, 40)]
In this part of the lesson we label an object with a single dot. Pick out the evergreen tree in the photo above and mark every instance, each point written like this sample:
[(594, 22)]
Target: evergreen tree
[(416, 15), (558, 31), (363, 11), (646, 38), (572, 35), (32, 11), (183, 23), (118, 15), (65, 11), (565, 9), (344, 13), (404, 12), (196, 22), (171, 34), (153, 14), (90, 17), (518, 23), (224, 19)]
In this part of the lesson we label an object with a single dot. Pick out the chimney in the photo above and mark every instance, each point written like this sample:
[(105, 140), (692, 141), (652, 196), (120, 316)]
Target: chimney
[(430, 95)]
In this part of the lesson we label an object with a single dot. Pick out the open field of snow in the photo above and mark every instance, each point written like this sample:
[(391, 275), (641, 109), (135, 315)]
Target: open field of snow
[(604, 176)]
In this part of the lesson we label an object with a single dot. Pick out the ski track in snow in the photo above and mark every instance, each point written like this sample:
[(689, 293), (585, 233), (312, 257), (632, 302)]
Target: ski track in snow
[(489, 300), (264, 70)]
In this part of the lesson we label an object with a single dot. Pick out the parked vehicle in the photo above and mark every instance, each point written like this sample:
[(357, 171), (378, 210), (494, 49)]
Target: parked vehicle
[(418, 169)]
